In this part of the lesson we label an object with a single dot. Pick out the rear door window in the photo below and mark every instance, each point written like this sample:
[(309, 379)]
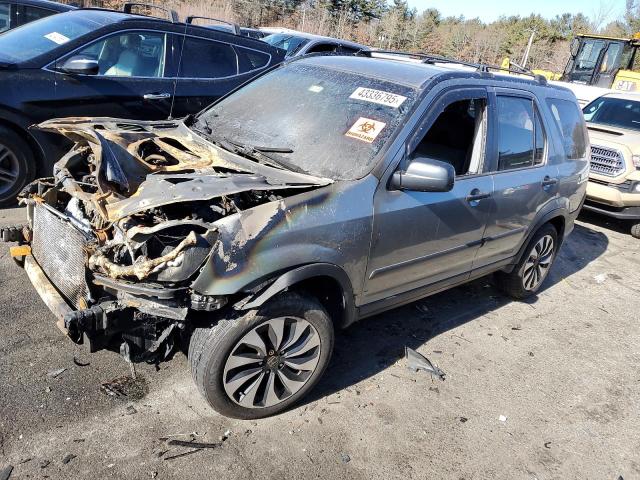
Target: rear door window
[(203, 58), (516, 136), (570, 122)]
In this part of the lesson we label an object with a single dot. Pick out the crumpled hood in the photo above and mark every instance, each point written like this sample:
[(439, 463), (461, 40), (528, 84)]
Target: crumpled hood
[(142, 165)]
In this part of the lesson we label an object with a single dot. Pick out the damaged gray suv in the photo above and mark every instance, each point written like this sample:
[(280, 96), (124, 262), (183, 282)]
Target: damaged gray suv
[(327, 190)]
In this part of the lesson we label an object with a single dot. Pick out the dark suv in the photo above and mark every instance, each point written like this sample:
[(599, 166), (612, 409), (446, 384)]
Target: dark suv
[(108, 63), (325, 191)]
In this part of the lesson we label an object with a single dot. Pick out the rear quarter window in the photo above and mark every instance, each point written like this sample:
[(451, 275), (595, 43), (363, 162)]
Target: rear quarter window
[(249, 60), (570, 122)]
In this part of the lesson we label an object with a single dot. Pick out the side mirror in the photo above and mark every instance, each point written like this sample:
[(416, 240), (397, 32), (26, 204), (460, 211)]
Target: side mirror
[(81, 65), (425, 175)]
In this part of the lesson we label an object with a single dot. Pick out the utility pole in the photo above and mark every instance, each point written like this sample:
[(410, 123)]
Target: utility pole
[(304, 16), (525, 57)]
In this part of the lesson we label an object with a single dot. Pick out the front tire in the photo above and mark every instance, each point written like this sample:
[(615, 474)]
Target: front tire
[(265, 361), (17, 165), (635, 230), (529, 274)]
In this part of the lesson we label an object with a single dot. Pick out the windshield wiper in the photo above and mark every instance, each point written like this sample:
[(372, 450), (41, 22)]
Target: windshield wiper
[(263, 155)]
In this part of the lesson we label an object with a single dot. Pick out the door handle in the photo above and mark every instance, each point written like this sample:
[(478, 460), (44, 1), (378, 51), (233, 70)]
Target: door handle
[(548, 182), (476, 195), (156, 96)]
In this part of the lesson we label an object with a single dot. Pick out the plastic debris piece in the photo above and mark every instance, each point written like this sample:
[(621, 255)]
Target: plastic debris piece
[(345, 458), (68, 457), (502, 418), (5, 473), (416, 361), (601, 278), (56, 373)]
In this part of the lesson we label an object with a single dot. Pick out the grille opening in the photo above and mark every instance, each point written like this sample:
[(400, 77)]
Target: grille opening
[(606, 161)]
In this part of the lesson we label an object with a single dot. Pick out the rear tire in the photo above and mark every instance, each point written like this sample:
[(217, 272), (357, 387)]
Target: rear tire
[(635, 230), (293, 338), (532, 270), (17, 165)]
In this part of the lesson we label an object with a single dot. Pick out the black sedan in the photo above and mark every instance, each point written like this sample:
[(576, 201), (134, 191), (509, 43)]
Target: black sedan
[(92, 62), (14, 13)]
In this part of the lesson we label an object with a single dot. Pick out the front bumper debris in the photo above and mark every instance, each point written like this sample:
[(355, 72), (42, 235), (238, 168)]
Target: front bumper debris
[(48, 293)]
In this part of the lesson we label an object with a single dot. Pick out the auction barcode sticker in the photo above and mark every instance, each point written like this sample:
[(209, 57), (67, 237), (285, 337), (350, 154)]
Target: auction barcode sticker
[(56, 37), (378, 96), (365, 129)]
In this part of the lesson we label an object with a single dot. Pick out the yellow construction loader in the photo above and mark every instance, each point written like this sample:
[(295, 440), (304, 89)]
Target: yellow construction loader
[(599, 64)]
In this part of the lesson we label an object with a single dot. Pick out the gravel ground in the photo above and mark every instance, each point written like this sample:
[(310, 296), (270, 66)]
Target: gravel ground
[(538, 390)]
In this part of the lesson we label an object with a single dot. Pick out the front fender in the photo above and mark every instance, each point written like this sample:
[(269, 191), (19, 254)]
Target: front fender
[(329, 225)]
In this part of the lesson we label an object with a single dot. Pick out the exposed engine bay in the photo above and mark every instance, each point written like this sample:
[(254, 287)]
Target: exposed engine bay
[(128, 221)]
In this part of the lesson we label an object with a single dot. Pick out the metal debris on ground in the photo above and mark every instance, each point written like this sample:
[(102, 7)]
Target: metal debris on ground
[(416, 361), (345, 458), (56, 373), (128, 387), (5, 473), (196, 446), (68, 457), (79, 363), (44, 463)]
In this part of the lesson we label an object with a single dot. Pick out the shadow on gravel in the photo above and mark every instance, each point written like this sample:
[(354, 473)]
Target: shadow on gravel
[(369, 347), (619, 226)]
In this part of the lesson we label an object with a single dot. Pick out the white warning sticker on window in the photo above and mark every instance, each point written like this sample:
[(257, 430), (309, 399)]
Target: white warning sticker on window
[(56, 37), (378, 96), (365, 129)]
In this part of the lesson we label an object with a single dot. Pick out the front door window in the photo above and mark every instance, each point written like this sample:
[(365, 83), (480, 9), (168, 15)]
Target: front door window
[(130, 54)]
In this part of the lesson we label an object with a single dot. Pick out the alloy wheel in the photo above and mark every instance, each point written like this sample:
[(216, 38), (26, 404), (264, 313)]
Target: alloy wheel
[(9, 169), (271, 362), (538, 264)]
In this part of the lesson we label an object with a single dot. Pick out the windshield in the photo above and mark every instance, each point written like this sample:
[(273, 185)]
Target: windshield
[(616, 112), (42, 36), (286, 41), (328, 123)]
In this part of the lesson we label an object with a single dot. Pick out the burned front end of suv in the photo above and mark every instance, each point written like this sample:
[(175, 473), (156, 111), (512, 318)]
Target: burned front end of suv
[(117, 238)]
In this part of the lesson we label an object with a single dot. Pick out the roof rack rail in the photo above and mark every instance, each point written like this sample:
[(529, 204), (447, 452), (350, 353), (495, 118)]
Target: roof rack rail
[(481, 67), (235, 26), (172, 14)]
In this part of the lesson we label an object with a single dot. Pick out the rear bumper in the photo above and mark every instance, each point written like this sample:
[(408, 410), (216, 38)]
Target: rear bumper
[(48, 293)]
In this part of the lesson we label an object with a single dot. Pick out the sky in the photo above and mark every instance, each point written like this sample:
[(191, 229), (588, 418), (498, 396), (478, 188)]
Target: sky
[(489, 10)]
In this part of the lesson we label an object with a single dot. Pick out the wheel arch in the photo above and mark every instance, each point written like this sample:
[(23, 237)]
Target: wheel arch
[(558, 218), (35, 147), (327, 282)]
